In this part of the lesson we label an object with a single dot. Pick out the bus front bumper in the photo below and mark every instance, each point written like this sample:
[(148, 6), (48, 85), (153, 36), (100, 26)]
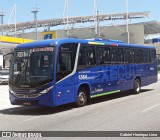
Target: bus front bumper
[(42, 100)]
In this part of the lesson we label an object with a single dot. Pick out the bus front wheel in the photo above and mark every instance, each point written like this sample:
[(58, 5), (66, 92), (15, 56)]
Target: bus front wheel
[(81, 98), (137, 86)]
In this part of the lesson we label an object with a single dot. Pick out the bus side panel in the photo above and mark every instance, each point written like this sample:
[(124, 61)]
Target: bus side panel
[(111, 78), (129, 76), (150, 75), (65, 91), (101, 79), (90, 76)]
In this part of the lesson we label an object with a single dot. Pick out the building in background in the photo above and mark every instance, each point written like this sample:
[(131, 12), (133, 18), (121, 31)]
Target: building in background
[(7, 45), (90, 27)]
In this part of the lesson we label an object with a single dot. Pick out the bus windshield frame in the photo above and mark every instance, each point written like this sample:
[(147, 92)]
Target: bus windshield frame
[(32, 67)]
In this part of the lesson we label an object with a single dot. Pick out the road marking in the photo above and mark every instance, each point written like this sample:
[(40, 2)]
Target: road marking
[(2, 100), (150, 108), (4, 96), (3, 107), (31, 118)]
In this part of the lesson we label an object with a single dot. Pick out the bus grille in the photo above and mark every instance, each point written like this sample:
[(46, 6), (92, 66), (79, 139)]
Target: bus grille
[(26, 95)]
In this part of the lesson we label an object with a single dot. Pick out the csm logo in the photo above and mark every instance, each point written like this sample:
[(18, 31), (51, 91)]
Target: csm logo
[(48, 36), (82, 76)]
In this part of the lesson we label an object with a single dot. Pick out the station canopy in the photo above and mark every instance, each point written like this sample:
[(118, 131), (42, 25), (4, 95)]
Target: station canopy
[(150, 27), (8, 42)]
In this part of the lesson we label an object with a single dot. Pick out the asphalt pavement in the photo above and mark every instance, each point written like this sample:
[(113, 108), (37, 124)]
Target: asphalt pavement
[(118, 112)]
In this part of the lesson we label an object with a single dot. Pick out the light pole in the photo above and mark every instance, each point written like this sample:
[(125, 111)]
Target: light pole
[(2, 16), (127, 27), (35, 12), (98, 27), (65, 17)]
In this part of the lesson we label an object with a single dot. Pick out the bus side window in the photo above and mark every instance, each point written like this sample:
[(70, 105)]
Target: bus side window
[(66, 57), (102, 55), (128, 55), (116, 55), (81, 58), (86, 57), (146, 55), (90, 55), (138, 56), (152, 55)]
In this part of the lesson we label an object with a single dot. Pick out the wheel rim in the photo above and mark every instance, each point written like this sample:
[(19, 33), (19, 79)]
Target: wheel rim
[(137, 86), (81, 98)]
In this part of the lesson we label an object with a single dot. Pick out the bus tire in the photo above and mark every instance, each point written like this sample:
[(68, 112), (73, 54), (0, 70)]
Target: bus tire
[(137, 86), (81, 97)]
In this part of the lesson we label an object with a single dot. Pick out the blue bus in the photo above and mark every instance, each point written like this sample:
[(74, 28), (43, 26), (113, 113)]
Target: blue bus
[(61, 71)]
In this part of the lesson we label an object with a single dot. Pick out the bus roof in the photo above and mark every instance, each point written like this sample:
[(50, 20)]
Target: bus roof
[(96, 41)]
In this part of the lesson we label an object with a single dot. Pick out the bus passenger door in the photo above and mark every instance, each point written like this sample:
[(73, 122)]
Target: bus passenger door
[(65, 86)]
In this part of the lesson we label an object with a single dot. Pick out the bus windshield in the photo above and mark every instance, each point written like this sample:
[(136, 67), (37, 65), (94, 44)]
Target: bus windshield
[(32, 67)]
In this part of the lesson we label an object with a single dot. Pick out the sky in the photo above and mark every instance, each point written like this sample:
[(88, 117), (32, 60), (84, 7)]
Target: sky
[(49, 9)]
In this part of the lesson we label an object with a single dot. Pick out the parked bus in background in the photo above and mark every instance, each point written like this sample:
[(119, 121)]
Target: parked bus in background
[(61, 71)]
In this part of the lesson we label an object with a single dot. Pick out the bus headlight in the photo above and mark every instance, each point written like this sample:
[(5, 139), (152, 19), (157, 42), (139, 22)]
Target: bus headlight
[(11, 91), (46, 90)]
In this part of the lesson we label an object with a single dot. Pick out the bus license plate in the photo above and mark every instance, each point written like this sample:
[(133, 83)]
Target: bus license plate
[(26, 103)]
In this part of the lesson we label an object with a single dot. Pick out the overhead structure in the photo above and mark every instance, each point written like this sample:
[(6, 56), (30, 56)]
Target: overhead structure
[(74, 20), (12, 27), (151, 27)]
